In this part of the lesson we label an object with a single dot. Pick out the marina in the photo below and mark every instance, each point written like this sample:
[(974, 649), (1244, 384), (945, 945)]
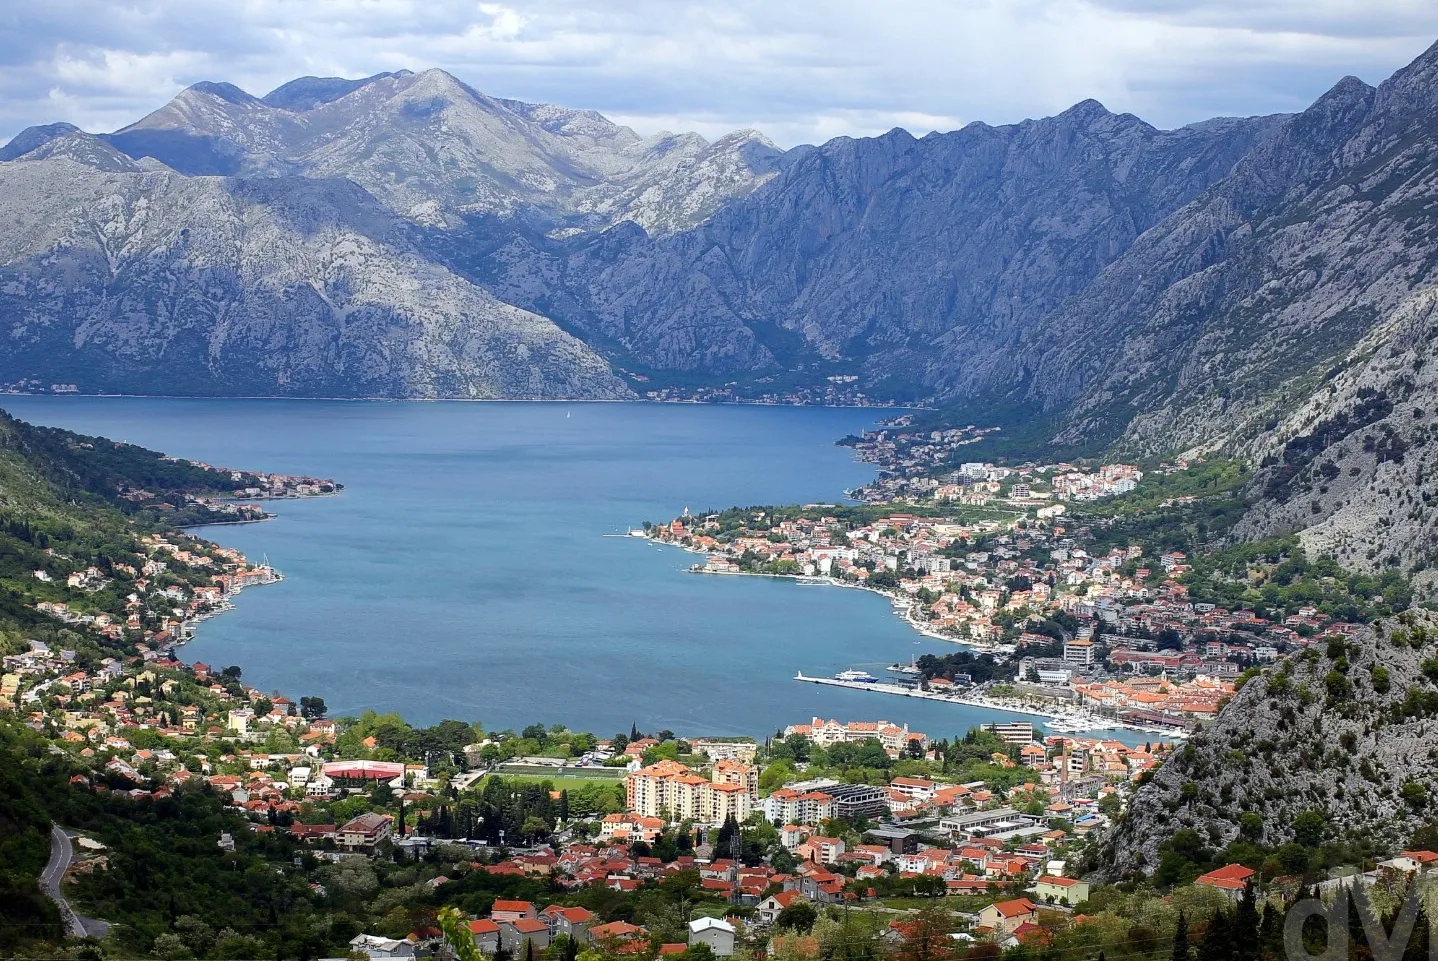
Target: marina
[(1061, 721)]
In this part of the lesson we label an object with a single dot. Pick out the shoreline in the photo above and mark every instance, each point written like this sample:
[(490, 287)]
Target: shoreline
[(902, 607), (904, 610), (1068, 719), (471, 400)]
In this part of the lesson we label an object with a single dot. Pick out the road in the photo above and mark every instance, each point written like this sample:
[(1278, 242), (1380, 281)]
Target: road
[(62, 854)]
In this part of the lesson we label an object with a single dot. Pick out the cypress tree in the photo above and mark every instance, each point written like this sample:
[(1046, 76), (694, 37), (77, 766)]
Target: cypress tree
[(1270, 935), (1244, 935), (1180, 939), (1217, 943)]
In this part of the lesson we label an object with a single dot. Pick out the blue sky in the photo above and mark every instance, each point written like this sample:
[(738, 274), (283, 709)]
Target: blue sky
[(799, 70)]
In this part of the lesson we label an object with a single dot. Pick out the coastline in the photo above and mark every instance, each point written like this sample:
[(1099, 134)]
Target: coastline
[(1072, 721), (471, 400), (902, 607)]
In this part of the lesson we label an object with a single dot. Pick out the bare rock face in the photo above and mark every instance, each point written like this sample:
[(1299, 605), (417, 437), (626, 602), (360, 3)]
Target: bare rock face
[(899, 258), (1349, 732), (161, 283), (1254, 285), (1351, 468)]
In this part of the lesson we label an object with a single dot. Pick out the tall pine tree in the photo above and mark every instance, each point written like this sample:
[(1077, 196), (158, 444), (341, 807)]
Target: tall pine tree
[(1244, 936), (1217, 943), (1180, 939)]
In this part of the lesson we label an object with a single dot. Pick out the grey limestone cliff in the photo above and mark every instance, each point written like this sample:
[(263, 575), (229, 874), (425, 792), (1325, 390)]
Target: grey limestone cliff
[(1349, 731)]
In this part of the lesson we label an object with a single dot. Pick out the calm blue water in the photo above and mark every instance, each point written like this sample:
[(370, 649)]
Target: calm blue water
[(464, 571)]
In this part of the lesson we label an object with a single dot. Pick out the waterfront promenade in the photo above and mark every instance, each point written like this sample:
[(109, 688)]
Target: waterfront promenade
[(1066, 721)]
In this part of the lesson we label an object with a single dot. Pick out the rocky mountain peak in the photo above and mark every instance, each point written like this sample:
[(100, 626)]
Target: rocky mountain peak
[(227, 92), (82, 148), (306, 93), (1413, 88), (32, 137)]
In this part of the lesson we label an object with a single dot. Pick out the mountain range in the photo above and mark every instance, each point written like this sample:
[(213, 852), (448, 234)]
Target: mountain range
[(1261, 285)]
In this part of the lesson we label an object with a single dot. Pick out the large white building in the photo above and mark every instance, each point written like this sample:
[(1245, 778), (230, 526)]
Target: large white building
[(895, 739), (669, 789)]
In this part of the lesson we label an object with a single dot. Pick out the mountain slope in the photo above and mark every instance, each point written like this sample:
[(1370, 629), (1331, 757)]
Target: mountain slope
[(434, 150), (1346, 731), (893, 256), (160, 283)]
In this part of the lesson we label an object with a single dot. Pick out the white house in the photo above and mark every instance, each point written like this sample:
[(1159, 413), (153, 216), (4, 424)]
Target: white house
[(716, 933)]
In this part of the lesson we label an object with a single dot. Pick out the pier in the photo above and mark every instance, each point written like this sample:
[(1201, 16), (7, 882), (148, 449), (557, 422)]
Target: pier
[(1063, 721)]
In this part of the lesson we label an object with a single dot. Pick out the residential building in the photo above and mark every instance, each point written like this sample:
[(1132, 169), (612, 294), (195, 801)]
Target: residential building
[(364, 832), (716, 933), (503, 910), (486, 935), (1231, 879), (1056, 890), (1079, 653), (515, 933), (1003, 917), (669, 789)]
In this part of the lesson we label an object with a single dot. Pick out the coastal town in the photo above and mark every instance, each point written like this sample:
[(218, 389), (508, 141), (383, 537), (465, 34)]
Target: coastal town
[(1060, 615), (760, 826), (1069, 621), (570, 834)]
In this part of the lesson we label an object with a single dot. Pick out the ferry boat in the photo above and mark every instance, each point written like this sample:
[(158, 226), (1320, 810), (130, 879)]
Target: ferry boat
[(856, 677)]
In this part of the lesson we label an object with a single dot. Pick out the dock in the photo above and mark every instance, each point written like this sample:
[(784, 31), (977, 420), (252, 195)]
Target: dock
[(1071, 721)]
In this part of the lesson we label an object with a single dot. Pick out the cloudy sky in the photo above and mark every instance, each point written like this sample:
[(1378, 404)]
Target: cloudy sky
[(800, 70)]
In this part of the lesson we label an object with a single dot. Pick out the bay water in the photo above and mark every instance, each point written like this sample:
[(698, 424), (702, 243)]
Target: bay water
[(474, 566)]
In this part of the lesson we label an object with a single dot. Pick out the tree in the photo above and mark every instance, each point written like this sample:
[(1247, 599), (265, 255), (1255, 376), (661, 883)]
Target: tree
[(1180, 938), (1217, 943), (312, 707), (798, 915), (1309, 828), (456, 934), (925, 936), (1245, 926), (725, 842)]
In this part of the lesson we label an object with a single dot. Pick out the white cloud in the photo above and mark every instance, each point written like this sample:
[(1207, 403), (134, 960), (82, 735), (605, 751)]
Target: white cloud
[(800, 70)]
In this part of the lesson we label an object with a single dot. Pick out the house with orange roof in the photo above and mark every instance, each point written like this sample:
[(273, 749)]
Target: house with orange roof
[(486, 935), (1002, 917), (1058, 890), (1231, 879)]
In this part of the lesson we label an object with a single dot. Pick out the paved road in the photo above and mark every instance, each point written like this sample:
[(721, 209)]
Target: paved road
[(62, 853)]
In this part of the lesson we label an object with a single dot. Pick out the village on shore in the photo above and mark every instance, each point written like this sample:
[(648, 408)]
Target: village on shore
[(1060, 618)]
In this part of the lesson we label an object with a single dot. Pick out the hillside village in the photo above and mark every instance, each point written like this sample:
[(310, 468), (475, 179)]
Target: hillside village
[(862, 815), (147, 727), (1084, 611)]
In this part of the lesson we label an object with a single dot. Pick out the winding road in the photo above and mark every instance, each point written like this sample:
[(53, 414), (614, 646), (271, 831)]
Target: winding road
[(62, 854)]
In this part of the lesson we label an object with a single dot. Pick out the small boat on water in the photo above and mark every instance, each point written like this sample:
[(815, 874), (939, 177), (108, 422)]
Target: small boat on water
[(856, 677)]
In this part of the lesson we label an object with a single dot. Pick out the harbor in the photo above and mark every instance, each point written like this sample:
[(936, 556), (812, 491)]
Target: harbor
[(1060, 721)]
